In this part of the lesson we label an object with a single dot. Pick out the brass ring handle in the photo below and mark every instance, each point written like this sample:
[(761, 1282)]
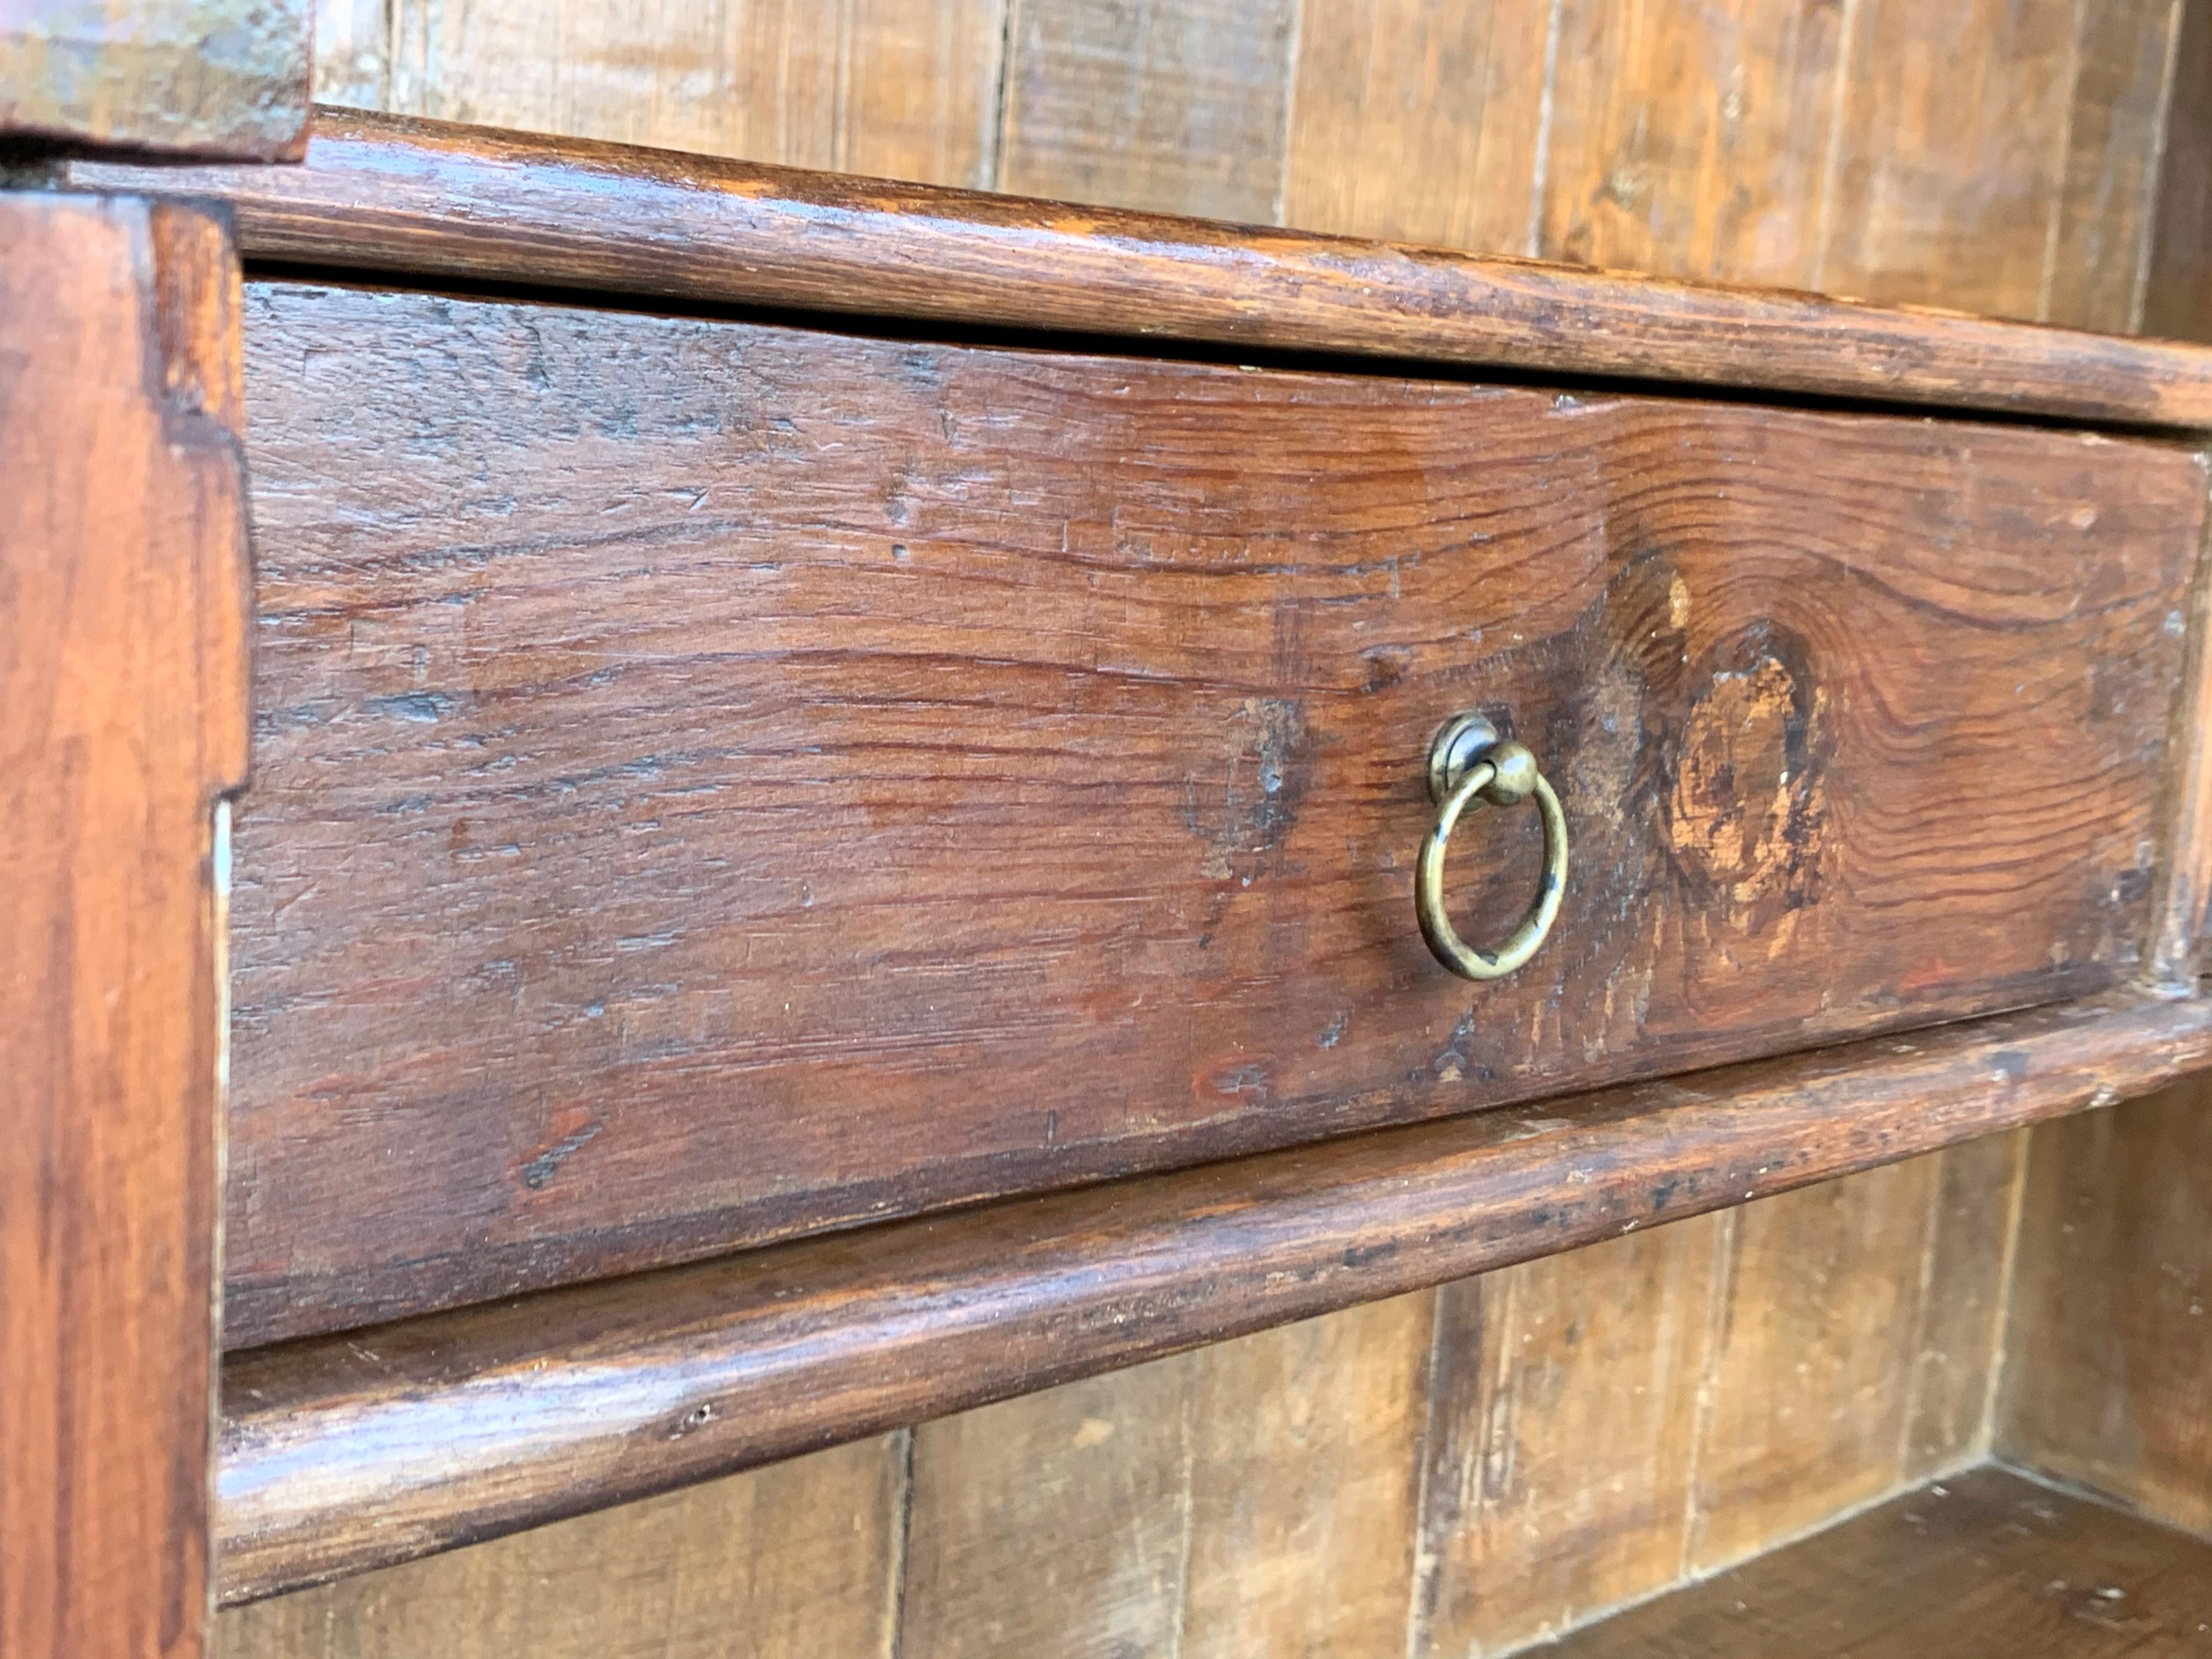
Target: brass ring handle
[(1468, 766)]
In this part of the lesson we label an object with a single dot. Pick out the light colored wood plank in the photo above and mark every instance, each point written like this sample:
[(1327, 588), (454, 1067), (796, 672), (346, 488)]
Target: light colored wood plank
[(1689, 138), (1419, 123), (1805, 1407), (1305, 1456), (1558, 1455), (2110, 1336), (1967, 1274), (1179, 105), (1951, 155), (900, 88), (351, 64), (1059, 1523), (798, 1561)]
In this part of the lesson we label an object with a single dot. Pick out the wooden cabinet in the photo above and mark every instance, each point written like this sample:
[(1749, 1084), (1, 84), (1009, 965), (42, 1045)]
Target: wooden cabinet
[(836, 777)]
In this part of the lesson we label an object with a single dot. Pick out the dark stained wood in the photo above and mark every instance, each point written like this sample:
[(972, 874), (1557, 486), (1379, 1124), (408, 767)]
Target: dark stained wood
[(223, 79), (349, 1452), (1981, 1563), (123, 610), (690, 754), (380, 193), (2178, 296)]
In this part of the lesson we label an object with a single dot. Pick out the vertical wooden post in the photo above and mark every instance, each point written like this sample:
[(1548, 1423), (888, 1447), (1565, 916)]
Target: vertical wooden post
[(124, 594)]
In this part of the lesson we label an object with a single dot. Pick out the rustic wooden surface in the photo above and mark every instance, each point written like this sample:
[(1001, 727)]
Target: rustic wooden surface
[(2177, 303), (354, 1451), (218, 78), (2111, 1323), (431, 200), (1981, 1563), (947, 708), (123, 617)]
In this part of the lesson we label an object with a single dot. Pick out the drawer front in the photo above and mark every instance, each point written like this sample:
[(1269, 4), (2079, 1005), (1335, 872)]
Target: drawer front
[(715, 782)]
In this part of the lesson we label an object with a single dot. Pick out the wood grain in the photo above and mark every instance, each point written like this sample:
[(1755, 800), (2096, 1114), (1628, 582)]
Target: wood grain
[(379, 193), (350, 1452), (2110, 1337), (799, 1561), (217, 78), (895, 89), (675, 734), (1983, 1562), (123, 713), (1173, 105), (2177, 283)]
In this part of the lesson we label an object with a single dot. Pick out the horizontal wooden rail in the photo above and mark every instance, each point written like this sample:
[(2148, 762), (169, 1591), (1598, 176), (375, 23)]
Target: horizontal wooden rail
[(355, 1451), (437, 201)]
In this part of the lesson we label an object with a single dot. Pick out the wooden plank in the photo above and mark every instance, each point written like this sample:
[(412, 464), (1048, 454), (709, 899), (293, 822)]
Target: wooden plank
[(1175, 105), (1416, 123), (899, 89), (1983, 1562), (1965, 1279), (380, 193), (1059, 1523), (2177, 299), (1560, 1451), (465, 1426), (1949, 177), (122, 713), (2117, 125), (1691, 139), (216, 78), (799, 1561), (840, 674), (2111, 1338)]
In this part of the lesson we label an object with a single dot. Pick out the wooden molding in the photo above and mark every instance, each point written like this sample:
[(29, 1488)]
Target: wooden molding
[(440, 202), (124, 600), (222, 79), (355, 1451)]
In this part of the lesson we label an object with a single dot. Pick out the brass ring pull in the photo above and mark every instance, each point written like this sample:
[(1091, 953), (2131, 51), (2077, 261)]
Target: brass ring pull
[(1468, 766)]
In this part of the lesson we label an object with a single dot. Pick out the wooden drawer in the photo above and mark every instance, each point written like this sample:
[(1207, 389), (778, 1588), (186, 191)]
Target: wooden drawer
[(715, 782)]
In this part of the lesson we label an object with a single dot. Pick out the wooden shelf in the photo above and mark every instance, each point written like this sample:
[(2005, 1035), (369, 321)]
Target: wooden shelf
[(1983, 1563)]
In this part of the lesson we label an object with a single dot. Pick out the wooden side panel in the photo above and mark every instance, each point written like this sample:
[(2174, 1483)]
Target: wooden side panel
[(123, 606), (225, 78), (894, 89), (798, 1561), (2110, 1336), (1178, 105)]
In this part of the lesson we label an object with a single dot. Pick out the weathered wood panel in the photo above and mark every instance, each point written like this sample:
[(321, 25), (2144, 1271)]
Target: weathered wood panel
[(687, 751), (204, 78), (123, 622), (1985, 1563)]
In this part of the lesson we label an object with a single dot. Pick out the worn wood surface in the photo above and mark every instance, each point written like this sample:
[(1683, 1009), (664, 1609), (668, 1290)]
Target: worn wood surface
[(843, 651), (123, 617), (799, 1561), (351, 1451), (216, 78), (2110, 1335), (431, 200), (2178, 296), (1981, 1563)]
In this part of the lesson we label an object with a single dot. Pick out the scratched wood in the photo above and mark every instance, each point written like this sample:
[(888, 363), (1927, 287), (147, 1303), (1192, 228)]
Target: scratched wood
[(844, 679), (226, 78), (122, 713)]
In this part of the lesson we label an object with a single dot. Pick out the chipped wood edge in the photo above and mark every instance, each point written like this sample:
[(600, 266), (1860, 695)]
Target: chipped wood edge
[(347, 1453)]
